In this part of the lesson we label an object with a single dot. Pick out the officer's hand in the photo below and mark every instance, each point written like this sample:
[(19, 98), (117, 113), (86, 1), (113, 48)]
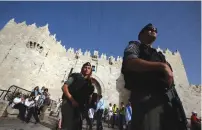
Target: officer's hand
[(168, 74), (74, 103)]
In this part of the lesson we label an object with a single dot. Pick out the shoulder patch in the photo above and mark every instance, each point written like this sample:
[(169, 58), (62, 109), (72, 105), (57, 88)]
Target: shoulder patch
[(75, 75), (132, 45)]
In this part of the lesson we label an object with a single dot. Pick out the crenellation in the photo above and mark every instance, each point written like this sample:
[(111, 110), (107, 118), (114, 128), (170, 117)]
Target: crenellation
[(95, 54), (119, 59), (111, 60), (33, 26), (79, 53), (87, 53), (54, 37), (70, 50), (167, 52), (103, 56), (22, 23), (47, 26), (11, 23), (177, 52), (44, 30)]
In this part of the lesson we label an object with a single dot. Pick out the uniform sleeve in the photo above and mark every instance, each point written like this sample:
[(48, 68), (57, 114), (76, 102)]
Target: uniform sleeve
[(69, 81), (132, 51)]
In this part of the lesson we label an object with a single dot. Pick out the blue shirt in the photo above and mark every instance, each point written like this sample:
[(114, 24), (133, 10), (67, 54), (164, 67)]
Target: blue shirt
[(100, 104), (35, 92), (128, 114)]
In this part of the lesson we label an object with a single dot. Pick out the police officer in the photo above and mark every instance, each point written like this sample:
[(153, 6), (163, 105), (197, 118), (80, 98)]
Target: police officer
[(76, 94), (148, 75)]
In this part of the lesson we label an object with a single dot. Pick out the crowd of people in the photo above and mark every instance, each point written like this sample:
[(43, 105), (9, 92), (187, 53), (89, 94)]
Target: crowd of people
[(97, 112), (34, 105), (119, 116)]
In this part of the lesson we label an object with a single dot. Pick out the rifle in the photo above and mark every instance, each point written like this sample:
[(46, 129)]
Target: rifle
[(70, 72), (178, 107)]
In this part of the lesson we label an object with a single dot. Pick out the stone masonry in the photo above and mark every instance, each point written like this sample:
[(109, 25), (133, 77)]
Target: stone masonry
[(30, 56)]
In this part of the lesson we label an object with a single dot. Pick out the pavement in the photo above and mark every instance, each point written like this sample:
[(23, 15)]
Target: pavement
[(7, 123), (16, 124)]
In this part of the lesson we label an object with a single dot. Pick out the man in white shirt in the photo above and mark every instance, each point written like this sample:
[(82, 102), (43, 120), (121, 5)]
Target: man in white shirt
[(91, 112), (110, 114), (32, 110), (18, 103)]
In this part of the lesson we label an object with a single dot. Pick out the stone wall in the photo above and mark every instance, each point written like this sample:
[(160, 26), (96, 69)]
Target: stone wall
[(30, 56)]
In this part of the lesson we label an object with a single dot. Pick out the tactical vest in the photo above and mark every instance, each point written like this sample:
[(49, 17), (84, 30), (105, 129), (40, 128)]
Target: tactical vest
[(80, 89), (150, 81)]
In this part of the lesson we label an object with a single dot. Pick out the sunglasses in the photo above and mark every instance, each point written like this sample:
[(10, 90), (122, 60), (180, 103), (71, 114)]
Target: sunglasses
[(152, 29)]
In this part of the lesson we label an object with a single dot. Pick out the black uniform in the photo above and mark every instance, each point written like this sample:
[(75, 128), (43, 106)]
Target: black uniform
[(80, 88), (151, 109)]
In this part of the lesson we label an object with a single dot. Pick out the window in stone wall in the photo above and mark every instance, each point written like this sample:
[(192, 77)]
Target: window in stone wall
[(28, 45), (35, 45), (31, 45), (40, 49)]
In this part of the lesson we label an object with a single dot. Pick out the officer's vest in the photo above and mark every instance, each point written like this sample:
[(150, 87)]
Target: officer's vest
[(146, 81), (80, 89)]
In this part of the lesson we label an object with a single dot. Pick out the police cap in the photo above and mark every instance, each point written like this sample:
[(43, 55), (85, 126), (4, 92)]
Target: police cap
[(86, 64), (148, 26)]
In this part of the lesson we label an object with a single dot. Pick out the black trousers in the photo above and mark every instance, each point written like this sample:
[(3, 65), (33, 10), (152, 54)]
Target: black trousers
[(153, 114), (121, 121), (71, 116), (90, 123), (86, 117), (33, 111), (99, 119), (114, 120), (22, 109)]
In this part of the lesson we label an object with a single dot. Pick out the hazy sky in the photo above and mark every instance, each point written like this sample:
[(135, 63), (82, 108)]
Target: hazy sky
[(108, 26)]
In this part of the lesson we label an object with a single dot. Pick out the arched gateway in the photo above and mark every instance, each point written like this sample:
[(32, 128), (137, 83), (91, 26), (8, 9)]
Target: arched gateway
[(97, 83), (97, 87)]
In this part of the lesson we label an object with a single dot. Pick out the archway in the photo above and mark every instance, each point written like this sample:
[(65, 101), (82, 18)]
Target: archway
[(97, 86)]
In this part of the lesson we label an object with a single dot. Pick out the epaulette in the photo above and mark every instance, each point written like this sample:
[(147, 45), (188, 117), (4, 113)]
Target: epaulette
[(134, 42)]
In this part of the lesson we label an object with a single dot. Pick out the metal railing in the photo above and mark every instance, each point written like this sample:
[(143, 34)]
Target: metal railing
[(2, 91), (13, 89), (7, 94)]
